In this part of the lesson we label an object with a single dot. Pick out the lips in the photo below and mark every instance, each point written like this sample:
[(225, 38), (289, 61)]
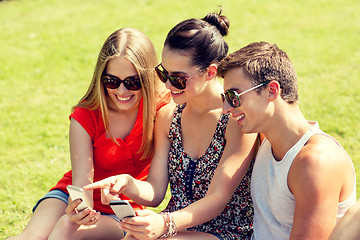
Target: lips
[(176, 93), (124, 99), (240, 117)]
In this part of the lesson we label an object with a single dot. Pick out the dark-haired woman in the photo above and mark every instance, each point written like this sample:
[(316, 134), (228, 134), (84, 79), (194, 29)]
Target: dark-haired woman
[(201, 151)]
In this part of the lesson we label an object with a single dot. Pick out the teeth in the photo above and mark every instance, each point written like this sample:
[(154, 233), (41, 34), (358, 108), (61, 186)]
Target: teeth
[(176, 92), (240, 117), (123, 98)]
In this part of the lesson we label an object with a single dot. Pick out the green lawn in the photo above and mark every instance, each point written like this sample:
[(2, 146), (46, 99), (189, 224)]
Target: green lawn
[(48, 51)]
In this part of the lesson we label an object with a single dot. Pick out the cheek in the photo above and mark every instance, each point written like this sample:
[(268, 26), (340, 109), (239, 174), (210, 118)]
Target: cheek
[(139, 94), (109, 91), (195, 87)]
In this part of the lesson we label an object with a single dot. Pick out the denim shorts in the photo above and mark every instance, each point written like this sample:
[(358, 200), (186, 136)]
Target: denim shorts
[(63, 196)]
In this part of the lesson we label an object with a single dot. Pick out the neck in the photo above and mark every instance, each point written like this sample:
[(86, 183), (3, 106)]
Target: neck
[(291, 125), (209, 99)]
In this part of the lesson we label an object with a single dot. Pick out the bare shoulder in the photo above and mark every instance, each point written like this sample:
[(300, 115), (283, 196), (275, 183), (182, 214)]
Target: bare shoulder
[(317, 163), (164, 116), (323, 151)]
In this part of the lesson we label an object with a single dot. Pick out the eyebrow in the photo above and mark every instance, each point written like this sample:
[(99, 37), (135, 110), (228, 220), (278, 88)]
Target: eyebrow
[(107, 74), (176, 72), (232, 89)]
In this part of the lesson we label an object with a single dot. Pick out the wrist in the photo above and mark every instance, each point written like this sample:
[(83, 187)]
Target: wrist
[(169, 229), (129, 184)]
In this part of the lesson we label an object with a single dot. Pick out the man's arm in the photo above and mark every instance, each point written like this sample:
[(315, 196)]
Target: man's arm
[(316, 178)]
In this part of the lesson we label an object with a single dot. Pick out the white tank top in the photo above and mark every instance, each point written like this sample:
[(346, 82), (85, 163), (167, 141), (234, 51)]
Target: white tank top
[(274, 204)]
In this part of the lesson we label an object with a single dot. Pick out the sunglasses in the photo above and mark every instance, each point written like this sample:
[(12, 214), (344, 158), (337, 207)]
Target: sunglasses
[(131, 83), (177, 81), (233, 98)]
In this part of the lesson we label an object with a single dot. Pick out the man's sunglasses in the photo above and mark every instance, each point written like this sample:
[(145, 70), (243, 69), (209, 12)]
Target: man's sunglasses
[(131, 83), (233, 98), (177, 81)]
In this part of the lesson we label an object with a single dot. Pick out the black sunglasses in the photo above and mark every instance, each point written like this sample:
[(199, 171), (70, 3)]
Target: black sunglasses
[(177, 81), (233, 98), (131, 83)]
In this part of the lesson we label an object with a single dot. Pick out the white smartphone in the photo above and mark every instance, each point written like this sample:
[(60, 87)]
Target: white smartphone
[(122, 208), (76, 193)]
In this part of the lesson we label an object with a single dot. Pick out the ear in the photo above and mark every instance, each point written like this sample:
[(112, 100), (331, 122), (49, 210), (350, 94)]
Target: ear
[(274, 90), (211, 72)]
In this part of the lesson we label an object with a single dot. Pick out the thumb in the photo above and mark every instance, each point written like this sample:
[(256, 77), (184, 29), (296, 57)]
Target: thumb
[(144, 212)]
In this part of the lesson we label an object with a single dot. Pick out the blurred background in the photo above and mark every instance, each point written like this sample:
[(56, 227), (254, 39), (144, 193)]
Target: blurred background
[(48, 51)]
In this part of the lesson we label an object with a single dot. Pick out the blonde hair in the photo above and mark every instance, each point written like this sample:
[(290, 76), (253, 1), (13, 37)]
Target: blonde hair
[(138, 49)]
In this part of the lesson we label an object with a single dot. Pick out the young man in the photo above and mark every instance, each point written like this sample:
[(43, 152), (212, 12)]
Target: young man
[(303, 180)]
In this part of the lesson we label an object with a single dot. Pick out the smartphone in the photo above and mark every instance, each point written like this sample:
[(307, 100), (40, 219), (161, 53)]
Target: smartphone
[(76, 193), (122, 208)]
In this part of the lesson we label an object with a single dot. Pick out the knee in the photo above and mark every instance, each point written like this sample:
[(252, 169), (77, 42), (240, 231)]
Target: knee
[(64, 229)]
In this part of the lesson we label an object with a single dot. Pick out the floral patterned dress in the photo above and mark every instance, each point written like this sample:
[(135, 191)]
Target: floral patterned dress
[(190, 180)]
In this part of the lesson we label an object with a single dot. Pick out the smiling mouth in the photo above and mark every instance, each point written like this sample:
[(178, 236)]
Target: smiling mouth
[(124, 99), (240, 117), (176, 93)]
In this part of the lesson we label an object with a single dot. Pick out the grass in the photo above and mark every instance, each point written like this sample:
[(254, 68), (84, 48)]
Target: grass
[(48, 53)]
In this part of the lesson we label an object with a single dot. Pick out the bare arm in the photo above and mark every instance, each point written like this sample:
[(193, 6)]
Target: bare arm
[(152, 191), (348, 227), (81, 153), (229, 173), (316, 179)]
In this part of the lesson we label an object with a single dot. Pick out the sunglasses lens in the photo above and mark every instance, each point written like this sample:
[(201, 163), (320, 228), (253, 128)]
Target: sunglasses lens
[(110, 82), (161, 74), (232, 99), (131, 83), (222, 97), (178, 82)]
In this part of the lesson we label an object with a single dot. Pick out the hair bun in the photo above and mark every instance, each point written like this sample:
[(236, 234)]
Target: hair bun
[(221, 22)]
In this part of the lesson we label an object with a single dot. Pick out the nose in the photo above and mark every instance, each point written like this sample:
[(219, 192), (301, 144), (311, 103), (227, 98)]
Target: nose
[(168, 85), (121, 89), (227, 108)]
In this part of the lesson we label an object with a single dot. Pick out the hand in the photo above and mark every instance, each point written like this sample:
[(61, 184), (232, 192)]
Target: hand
[(348, 227), (111, 187), (146, 225), (87, 216)]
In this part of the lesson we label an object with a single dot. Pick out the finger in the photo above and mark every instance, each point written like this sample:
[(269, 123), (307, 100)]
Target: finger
[(138, 221), (119, 184), (116, 197), (130, 228), (104, 194), (95, 219), (71, 208), (144, 212), (88, 219), (107, 196), (99, 184), (76, 218)]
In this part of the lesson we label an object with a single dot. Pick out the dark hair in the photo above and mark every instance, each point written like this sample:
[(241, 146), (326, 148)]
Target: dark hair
[(202, 38), (263, 61)]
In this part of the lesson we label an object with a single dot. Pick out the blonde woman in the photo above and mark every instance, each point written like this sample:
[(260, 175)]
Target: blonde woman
[(111, 132)]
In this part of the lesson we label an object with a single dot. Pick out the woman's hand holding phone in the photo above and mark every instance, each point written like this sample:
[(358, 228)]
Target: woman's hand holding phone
[(78, 209)]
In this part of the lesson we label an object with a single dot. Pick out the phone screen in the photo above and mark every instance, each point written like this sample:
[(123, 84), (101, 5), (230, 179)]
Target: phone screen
[(76, 193), (122, 209)]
